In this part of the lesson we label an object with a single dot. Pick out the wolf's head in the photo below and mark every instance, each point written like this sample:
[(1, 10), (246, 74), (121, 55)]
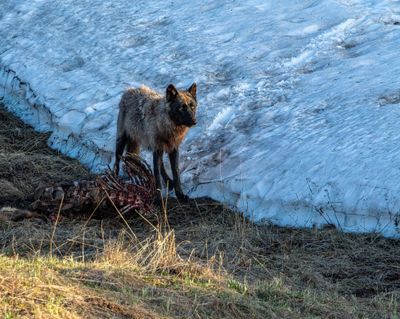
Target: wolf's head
[(182, 105)]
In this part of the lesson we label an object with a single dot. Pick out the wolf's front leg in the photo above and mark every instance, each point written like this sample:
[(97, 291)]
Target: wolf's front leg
[(157, 158), (174, 159), (157, 162), (167, 180)]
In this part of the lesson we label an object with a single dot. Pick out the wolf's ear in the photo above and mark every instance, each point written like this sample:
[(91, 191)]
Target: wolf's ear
[(172, 92), (192, 90)]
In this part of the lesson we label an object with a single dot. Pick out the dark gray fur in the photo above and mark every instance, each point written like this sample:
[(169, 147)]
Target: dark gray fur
[(158, 123)]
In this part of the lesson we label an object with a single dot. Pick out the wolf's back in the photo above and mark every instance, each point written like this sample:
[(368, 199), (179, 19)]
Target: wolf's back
[(140, 114)]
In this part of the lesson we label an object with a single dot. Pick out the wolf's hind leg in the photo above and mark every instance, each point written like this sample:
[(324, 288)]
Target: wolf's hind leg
[(119, 149), (133, 147)]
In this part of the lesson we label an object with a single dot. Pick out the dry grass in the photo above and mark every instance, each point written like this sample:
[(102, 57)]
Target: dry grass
[(102, 271), (26, 161), (222, 267), (203, 261)]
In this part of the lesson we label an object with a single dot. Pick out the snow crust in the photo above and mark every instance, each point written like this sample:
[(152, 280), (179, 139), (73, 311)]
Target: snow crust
[(299, 101)]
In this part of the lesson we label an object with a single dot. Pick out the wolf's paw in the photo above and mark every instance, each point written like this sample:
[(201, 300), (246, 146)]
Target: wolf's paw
[(182, 197), (171, 185)]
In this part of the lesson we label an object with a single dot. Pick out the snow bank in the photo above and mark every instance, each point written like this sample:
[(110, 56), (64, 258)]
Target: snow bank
[(299, 101)]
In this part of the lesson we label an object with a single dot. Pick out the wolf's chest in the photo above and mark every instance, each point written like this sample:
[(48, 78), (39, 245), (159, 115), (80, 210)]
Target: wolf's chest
[(172, 139)]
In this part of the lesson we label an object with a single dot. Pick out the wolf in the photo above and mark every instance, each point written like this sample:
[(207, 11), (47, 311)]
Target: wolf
[(158, 123)]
